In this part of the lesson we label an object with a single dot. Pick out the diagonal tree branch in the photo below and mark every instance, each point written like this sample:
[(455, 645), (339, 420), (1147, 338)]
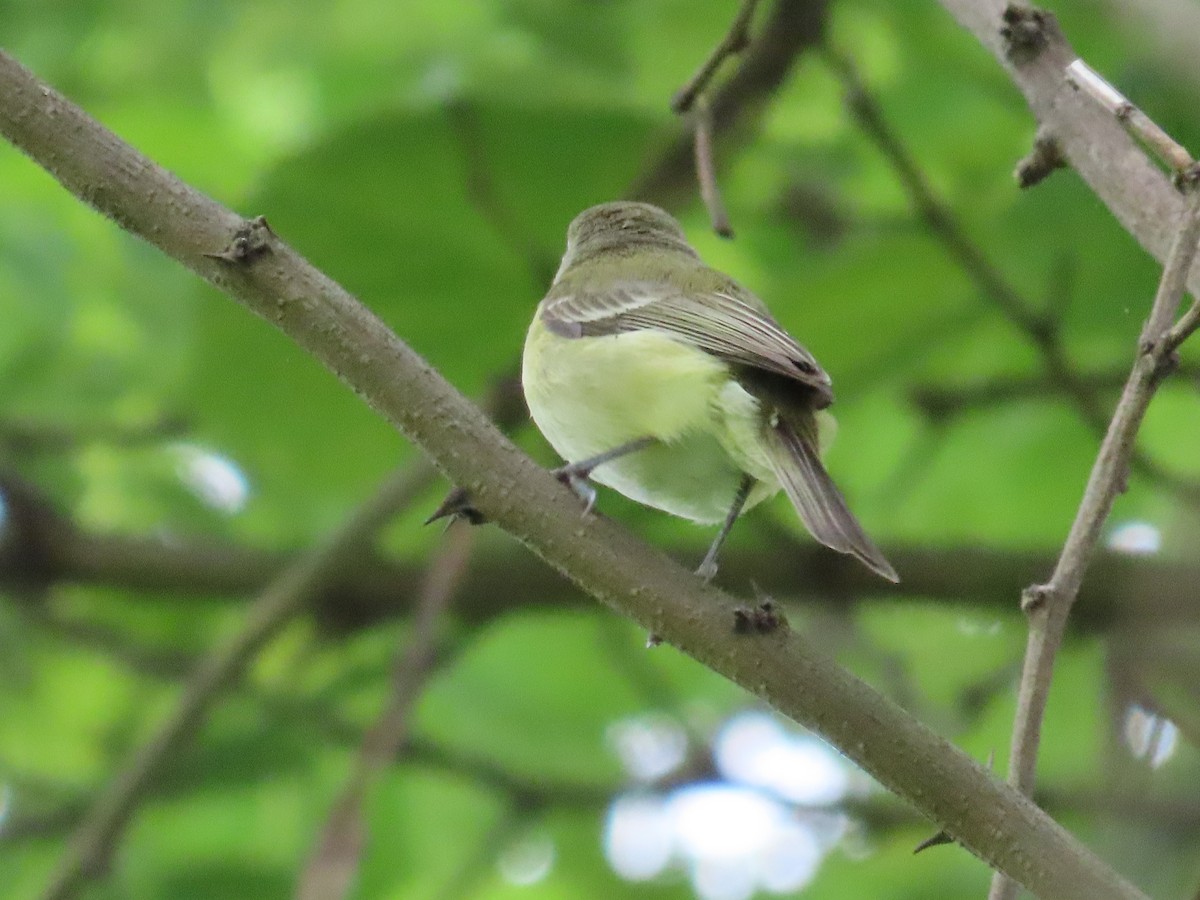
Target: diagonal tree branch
[(267, 276), (1095, 144), (1048, 605), (1120, 589)]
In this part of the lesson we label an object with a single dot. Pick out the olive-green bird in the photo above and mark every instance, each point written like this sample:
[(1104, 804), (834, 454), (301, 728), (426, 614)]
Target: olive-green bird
[(653, 374)]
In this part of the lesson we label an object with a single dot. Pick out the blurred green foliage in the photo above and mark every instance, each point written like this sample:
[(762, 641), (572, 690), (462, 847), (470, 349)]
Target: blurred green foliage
[(428, 155)]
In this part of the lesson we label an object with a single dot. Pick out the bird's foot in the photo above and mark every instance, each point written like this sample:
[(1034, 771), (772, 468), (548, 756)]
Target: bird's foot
[(576, 478), (707, 570)]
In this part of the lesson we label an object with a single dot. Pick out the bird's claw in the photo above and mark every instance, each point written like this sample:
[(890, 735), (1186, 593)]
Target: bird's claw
[(707, 570), (578, 482)]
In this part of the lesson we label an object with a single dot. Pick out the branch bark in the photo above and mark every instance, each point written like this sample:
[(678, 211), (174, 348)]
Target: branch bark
[(1095, 144), (992, 820), (1049, 605)]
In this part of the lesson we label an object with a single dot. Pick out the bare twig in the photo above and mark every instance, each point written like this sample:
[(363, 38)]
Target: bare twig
[(706, 172), (1045, 158), (96, 839), (32, 437), (1049, 604), (331, 872), (464, 121), (1088, 80), (735, 41), (1004, 828), (792, 28), (693, 94), (937, 216), (940, 402)]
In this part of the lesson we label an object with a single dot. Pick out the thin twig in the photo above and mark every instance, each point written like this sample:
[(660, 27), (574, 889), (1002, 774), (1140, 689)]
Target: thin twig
[(792, 28), (735, 41), (1083, 77), (334, 866), (706, 171), (20, 436), (941, 402), (1049, 604), (96, 838)]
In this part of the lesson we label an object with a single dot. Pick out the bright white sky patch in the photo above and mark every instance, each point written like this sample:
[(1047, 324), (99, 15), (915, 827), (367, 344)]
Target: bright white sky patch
[(1135, 538), (215, 479), (1149, 736), (792, 859), (638, 837), (754, 749), (649, 746), (719, 821), (734, 837), (527, 861)]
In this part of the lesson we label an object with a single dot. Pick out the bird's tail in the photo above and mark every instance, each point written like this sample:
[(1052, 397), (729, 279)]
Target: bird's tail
[(794, 453)]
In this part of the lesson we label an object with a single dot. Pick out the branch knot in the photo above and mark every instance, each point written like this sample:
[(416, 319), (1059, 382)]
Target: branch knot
[(1025, 32)]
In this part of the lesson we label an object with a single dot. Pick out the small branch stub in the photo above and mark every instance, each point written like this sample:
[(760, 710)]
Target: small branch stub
[(457, 505), (249, 242), (1034, 598), (1025, 32), (762, 619), (706, 169), (1045, 158)]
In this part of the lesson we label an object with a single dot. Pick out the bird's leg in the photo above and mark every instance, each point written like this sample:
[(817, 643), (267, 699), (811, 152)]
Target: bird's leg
[(708, 568), (575, 475), (457, 504)]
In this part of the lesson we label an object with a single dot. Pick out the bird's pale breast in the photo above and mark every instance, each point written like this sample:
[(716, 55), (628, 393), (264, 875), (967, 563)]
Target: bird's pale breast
[(590, 395)]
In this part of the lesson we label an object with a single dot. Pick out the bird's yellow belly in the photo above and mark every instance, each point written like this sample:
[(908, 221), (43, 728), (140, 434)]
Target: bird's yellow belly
[(590, 395)]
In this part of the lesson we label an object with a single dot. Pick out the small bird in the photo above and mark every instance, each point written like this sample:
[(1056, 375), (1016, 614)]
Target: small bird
[(662, 378)]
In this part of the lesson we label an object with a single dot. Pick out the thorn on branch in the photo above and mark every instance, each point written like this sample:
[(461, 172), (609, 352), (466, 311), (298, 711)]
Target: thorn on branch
[(943, 836), (937, 840), (1025, 32), (249, 242), (1045, 157), (457, 505)]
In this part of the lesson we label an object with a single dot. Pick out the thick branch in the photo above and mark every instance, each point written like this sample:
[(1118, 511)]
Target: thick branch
[(1121, 590), (991, 819), (1093, 141)]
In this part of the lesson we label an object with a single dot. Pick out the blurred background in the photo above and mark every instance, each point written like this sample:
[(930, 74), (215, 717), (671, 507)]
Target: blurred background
[(163, 453)]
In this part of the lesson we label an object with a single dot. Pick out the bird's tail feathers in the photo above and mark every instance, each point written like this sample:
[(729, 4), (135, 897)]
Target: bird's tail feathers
[(794, 454)]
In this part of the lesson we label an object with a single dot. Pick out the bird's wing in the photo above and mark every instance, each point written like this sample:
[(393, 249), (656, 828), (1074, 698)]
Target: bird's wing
[(728, 323)]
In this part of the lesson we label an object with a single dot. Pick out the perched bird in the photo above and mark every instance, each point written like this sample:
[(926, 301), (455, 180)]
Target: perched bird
[(668, 381)]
